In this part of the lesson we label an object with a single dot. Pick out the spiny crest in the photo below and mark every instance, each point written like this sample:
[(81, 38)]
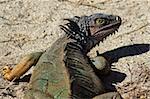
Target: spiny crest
[(73, 30)]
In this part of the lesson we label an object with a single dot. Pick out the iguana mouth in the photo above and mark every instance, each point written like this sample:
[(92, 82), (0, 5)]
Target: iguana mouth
[(107, 30)]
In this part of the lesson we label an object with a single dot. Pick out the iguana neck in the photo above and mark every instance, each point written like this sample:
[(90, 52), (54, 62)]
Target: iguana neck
[(80, 71), (89, 45)]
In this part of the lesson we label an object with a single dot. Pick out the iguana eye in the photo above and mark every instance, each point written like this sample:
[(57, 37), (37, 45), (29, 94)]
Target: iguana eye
[(99, 21)]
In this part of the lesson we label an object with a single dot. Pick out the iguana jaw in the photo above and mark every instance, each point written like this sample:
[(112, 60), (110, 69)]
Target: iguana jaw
[(103, 32)]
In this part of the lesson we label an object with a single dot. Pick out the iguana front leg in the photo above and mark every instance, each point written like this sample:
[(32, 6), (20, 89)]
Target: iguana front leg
[(22, 67), (101, 65), (103, 68)]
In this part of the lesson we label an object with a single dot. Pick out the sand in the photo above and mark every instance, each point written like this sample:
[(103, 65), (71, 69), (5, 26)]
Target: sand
[(28, 26)]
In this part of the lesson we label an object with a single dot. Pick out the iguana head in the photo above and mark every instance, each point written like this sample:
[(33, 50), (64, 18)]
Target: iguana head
[(90, 30)]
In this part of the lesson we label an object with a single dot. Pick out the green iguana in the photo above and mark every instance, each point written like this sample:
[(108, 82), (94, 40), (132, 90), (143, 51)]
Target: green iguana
[(64, 70)]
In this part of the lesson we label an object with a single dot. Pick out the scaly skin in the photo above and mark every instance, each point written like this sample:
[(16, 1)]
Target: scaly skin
[(50, 78), (64, 70)]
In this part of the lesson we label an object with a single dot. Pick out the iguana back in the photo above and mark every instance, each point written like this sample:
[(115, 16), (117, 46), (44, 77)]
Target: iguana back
[(50, 75)]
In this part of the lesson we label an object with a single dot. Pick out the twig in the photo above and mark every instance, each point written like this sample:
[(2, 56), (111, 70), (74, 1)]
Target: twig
[(11, 83), (145, 25), (5, 41), (1, 2), (2, 17), (129, 68), (85, 4)]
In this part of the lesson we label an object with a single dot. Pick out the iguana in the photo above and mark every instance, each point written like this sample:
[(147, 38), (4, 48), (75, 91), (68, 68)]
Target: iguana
[(64, 71)]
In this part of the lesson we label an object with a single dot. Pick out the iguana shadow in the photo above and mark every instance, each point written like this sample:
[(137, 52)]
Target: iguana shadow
[(130, 50), (114, 55)]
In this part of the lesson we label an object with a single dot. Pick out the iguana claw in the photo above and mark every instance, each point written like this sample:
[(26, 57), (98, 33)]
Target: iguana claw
[(6, 72)]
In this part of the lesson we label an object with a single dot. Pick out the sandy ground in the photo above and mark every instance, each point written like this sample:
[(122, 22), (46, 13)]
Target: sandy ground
[(32, 25)]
